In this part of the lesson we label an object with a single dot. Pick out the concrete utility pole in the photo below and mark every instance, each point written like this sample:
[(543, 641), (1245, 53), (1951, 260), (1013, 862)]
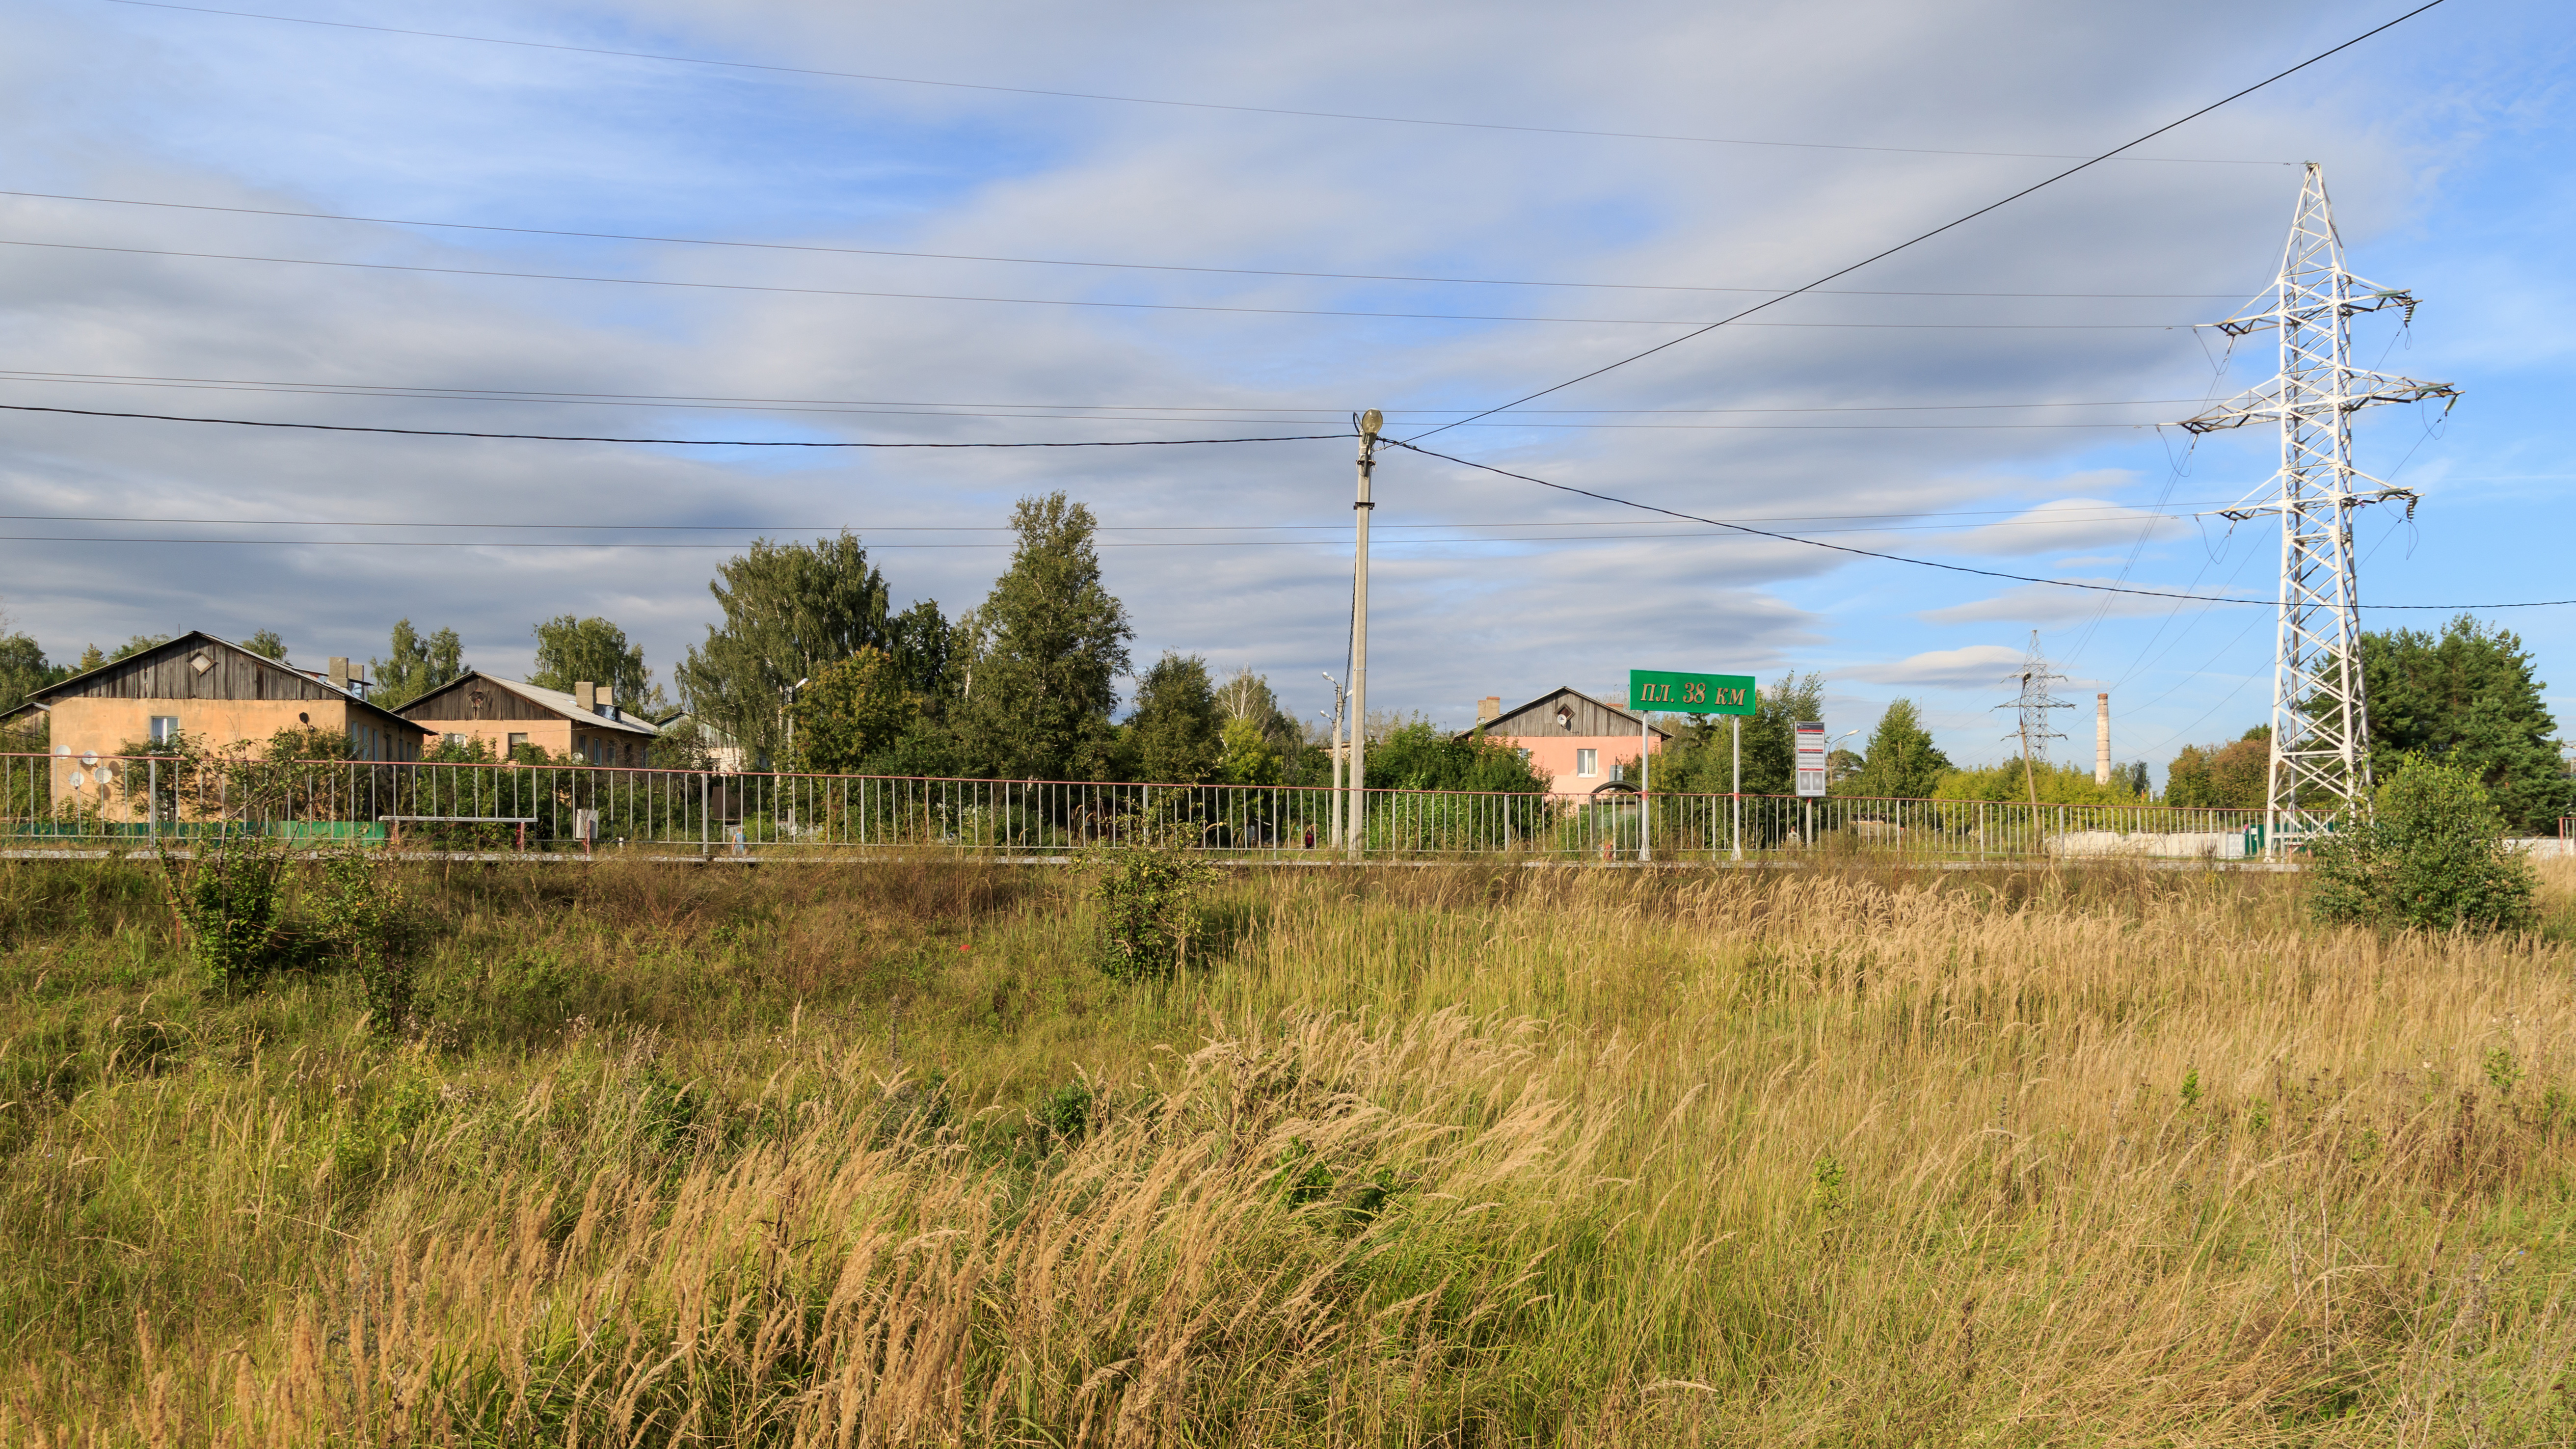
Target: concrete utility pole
[(1369, 422)]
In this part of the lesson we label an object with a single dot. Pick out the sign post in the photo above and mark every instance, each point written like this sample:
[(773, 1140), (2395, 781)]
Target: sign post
[(1814, 770), (1679, 693)]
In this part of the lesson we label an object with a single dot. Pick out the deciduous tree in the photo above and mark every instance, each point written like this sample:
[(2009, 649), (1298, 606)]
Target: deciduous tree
[(23, 670), (1901, 762), (414, 666), (1043, 654), (2233, 776), (851, 711), (2468, 699), (789, 609), (1174, 737), (570, 650)]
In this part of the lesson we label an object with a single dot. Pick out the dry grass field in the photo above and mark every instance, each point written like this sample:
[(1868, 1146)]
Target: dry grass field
[(1472, 1156)]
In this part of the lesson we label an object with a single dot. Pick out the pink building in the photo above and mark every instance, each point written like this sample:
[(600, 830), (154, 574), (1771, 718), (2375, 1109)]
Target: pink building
[(1575, 741)]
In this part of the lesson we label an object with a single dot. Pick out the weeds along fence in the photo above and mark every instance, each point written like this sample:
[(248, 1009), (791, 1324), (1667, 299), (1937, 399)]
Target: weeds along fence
[(65, 801)]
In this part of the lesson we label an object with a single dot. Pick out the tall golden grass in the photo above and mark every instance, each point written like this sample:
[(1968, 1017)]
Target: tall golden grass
[(1468, 1156)]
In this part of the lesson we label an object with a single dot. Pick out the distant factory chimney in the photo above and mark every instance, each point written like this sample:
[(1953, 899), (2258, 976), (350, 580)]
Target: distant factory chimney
[(2102, 739)]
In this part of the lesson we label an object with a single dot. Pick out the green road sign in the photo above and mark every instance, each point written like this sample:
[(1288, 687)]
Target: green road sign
[(1690, 693)]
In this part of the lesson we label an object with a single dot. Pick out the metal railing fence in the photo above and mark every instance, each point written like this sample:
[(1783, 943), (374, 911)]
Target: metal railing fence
[(62, 800)]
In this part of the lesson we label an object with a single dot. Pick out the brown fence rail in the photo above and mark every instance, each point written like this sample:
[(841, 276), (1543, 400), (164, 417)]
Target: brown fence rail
[(90, 801)]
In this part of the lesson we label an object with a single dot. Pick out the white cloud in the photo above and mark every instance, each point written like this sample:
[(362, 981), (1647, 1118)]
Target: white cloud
[(2067, 523), (237, 112), (1971, 666)]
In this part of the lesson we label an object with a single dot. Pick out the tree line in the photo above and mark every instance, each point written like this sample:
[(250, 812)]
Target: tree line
[(2467, 699), (811, 668)]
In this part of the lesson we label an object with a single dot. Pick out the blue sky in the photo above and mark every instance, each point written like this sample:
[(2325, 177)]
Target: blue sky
[(2444, 143)]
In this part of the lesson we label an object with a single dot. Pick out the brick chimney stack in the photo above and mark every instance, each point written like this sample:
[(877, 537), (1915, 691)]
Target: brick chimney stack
[(2102, 739)]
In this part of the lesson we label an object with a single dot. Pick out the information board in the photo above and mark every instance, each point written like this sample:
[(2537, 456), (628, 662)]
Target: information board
[(1813, 764), (1652, 689)]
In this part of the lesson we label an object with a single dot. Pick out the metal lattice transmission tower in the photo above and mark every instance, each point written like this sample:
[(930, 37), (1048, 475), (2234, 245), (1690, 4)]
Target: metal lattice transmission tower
[(2320, 720), (2035, 701)]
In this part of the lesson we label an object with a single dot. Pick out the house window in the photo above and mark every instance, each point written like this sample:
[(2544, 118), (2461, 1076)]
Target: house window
[(165, 729), (1524, 754), (452, 739), (1587, 763), (518, 743)]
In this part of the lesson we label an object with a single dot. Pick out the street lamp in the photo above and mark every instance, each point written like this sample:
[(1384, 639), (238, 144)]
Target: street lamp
[(791, 715)]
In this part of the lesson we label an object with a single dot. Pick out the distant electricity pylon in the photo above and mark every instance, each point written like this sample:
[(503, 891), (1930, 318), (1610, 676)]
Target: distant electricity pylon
[(2034, 703), (2320, 721)]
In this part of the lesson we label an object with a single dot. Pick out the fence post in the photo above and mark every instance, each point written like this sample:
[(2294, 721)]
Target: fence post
[(706, 825)]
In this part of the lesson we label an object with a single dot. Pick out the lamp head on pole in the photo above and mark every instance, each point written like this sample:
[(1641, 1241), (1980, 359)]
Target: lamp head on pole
[(1370, 422)]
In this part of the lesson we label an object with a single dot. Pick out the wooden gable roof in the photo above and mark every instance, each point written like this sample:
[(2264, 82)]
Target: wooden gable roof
[(477, 695), (1587, 717), (197, 665)]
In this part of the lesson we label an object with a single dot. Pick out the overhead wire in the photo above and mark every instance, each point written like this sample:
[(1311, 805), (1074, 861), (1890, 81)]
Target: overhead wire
[(1944, 227), (818, 249), (1148, 100), (658, 399), (1917, 562), (1216, 307), (1082, 412), (2107, 513), (662, 442), (996, 543), (2175, 467)]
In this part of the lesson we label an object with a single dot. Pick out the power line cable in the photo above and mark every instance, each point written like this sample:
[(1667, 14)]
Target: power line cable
[(1148, 100), (609, 543), (671, 442), (1274, 416), (1081, 301), (1919, 562), (692, 241), (2113, 513), (1500, 539), (1938, 230), (653, 399)]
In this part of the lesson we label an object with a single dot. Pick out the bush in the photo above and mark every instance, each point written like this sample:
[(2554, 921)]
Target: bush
[(2430, 854), (364, 916), (1147, 889), (226, 899)]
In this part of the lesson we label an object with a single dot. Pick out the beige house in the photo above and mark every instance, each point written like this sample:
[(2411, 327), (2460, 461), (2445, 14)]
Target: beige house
[(214, 692), (508, 713)]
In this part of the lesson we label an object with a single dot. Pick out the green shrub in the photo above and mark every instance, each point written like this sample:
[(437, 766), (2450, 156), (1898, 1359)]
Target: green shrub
[(1147, 888), (1065, 1113), (2430, 854), (226, 898), (364, 917)]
